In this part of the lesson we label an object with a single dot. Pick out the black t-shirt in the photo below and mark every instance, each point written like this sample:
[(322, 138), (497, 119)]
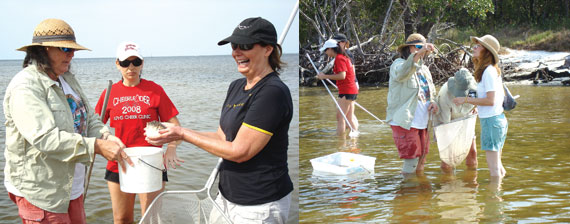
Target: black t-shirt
[(267, 107)]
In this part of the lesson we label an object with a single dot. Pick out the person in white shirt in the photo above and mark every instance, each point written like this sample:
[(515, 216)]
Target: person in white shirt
[(489, 101)]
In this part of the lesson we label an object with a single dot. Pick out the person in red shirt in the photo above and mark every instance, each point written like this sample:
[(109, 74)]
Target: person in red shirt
[(347, 89), (133, 103)]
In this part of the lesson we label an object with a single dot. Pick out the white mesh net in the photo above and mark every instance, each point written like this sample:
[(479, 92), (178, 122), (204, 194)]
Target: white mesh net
[(189, 207), (454, 139)]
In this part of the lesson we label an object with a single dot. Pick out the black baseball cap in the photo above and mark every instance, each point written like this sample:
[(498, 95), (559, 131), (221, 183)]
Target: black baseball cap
[(251, 31), (340, 37)]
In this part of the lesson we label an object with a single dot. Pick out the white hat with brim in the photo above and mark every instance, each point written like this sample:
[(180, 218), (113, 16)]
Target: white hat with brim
[(128, 49), (490, 43), (54, 33), (331, 43)]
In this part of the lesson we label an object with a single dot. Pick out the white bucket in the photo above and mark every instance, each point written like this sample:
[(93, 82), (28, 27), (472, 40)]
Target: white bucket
[(142, 177), (343, 163)]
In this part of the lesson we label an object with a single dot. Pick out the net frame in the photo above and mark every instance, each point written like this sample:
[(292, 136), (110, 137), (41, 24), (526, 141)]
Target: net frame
[(200, 201)]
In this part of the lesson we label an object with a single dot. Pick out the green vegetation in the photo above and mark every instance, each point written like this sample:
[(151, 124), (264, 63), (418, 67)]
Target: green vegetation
[(524, 38), (520, 24)]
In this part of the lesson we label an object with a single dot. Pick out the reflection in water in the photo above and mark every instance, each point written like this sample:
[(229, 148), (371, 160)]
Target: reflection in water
[(412, 201), (494, 204), (458, 197)]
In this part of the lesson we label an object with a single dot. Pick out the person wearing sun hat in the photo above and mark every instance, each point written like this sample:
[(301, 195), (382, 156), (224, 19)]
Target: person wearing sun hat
[(489, 101), (343, 73), (155, 106), (460, 85), (411, 96), (252, 136), (52, 133)]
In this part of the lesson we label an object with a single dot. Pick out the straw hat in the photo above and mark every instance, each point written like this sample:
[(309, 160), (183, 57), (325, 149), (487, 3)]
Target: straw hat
[(54, 33), (413, 39), (461, 83), (490, 43)]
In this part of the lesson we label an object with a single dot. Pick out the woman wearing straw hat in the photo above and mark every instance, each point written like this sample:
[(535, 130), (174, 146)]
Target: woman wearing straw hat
[(489, 101), (411, 96), (150, 104), (347, 90), (51, 132), (252, 137)]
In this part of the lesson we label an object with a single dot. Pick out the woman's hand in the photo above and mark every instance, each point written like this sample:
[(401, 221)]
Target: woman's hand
[(321, 76), (459, 100), (170, 157), (433, 108), (113, 151), (169, 134)]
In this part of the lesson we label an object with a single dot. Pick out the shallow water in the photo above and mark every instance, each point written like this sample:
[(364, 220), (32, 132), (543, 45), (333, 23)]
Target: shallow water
[(197, 86), (536, 157)]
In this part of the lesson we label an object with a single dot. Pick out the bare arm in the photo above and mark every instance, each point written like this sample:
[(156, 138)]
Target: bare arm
[(248, 142), (487, 101), (170, 156), (337, 76)]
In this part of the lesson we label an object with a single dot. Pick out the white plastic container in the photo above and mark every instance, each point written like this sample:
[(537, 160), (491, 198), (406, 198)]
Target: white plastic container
[(343, 163), (144, 176)]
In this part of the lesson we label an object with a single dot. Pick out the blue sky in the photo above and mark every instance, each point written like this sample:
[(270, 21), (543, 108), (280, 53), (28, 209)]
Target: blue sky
[(161, 28)]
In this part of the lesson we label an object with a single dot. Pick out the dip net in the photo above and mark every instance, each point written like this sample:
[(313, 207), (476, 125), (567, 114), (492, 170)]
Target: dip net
[(191, 207), (454, 139)]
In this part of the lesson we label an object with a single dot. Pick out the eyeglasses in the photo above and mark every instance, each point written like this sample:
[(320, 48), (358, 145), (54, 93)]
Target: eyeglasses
[(136, 62), (243, 47), (419, 46), (66, 49)]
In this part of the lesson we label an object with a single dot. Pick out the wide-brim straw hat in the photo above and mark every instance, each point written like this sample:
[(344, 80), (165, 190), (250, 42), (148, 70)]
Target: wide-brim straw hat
[(461, 83), (413, 39), (54, 33), (490, 43)]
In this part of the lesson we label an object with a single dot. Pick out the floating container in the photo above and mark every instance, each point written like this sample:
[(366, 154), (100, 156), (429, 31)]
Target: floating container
[(343, 163)]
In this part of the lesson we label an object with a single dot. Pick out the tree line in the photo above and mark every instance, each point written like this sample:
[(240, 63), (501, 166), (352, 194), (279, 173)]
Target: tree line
[(375, 28)]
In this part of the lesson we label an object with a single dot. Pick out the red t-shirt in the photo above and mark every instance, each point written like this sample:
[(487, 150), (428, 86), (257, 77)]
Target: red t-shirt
[(130, 108), (348, 84)]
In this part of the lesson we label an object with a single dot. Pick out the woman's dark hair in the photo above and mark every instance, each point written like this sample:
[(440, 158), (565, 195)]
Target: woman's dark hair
[(275, 57), (405, 52), (37, 54)]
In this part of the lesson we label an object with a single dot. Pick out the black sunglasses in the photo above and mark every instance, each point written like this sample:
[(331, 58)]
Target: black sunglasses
[(66, 49), (136, 62), (243, 47)]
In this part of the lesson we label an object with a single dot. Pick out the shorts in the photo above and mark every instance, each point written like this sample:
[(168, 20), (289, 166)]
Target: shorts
[(270, 212), (494, 132), (348, 96), (411, 143), (31, 214), (114, 177)]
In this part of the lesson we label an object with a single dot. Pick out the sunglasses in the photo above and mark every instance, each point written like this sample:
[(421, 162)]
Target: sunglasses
[(419, 46), (136, 62), (66, 49), (243, 47)]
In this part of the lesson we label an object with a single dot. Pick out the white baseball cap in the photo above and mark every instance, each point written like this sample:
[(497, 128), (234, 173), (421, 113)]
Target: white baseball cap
[(127, 49), (331, 43)]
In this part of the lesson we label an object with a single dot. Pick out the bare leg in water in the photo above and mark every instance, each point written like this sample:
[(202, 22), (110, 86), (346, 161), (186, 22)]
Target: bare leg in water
[(495, 165)]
